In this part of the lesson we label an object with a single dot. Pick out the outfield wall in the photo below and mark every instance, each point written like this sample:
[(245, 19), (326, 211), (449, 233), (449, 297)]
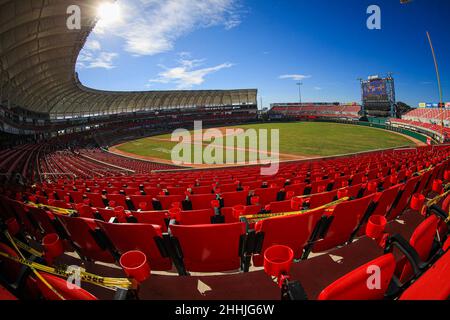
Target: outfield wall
[(410, 133)]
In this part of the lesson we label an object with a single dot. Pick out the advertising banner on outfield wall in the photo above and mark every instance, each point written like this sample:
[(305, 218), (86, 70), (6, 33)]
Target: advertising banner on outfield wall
[(433, 105)]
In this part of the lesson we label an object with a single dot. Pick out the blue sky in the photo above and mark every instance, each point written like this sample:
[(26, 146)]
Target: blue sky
[(269, 45)]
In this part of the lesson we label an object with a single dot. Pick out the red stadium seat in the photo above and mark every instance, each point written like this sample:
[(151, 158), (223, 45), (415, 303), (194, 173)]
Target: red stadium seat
[(60, 285), (106, 214), (119, 199), (386, 200), (5, 295), (433, 285), (266, 195), (96, 200), (138, 199), (344, 219), (137, 236), (422, 241), (201, 190), (231, 187), (298, 189), (281, 206), (353, 191), (76, 196), (166, 201), (210, 248), (85, 239), (405, 195), (320, 199), (10, 271), (201, 201), (131, 191), (354, 286), (195, 217), (43, 219), (231, 199), (227, 212), (28, 223), (320, 186), (383, 204), (293, 231), (176, 191), (152, 191), (152, 217)]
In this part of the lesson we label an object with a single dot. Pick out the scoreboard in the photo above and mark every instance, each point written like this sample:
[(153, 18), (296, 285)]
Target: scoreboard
[(375, 90), (378, 96)]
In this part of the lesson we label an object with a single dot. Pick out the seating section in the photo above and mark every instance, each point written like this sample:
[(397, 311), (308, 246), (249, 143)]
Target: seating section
[(430, 127), (317, 111), (131, 165), (190, 221), (428, 115)]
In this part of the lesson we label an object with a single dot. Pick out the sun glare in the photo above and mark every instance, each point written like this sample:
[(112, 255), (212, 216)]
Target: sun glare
[(108, 12)]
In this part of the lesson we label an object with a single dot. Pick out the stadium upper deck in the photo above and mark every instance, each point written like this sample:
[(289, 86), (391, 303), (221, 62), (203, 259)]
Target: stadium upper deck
[(37, 67)]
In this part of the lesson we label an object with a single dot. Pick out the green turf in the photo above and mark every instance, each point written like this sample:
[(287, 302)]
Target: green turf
[(299, 138)]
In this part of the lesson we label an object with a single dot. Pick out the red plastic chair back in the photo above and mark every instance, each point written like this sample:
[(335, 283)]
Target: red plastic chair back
[(210, 248), (137, 236), (422, 241), (60, 285), (196, 217), (201, 201), (291, 231), (81, 232), (346, 216), (368, 282)]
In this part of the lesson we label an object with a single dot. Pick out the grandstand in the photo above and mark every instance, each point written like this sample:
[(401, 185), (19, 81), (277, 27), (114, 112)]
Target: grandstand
[(427, 121), (153, 231), (315, 111)]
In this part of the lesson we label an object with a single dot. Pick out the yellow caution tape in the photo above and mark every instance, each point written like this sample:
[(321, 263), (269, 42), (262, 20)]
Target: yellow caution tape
[(106, 282), (59, 210), (27, 248), (259, 217), (37, 274)]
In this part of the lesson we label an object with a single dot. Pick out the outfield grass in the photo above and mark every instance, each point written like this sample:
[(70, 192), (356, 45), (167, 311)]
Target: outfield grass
[(296, 138)]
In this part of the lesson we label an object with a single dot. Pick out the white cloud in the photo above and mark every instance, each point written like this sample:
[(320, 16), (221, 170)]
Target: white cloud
[(296, 77), (188, 73), (149, 27), (317, 88), (92, 45), (92, 56)]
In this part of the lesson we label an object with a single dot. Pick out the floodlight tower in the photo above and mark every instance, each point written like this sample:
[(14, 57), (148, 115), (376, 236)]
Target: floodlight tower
[(441, 105), (362, 96), (300, 91)]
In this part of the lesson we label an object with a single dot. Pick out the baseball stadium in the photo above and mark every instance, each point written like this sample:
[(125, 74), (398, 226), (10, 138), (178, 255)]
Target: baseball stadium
[(196, 195)]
